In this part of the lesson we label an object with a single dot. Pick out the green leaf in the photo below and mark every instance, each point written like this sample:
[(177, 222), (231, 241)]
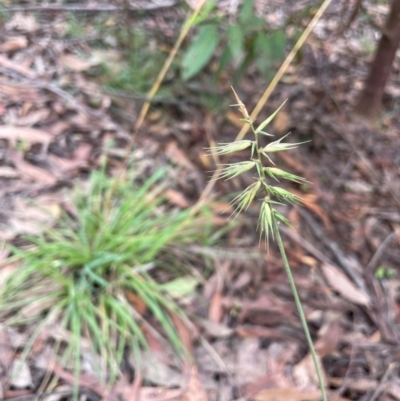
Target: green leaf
[(224, 61), (278, 42), (246, 11), (270, 49), (180, 287), (235, 40), (200, 51), (204, 12)]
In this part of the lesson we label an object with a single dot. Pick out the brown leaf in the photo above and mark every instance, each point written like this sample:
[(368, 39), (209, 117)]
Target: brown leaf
[(6, 352), (29, 135), (185, 335), (305, 374), (194, 390), (23, 22), (13, 44), (75, 63), (11, 65), (260, 331), (281, 122), (137, 302), (69, 165), (342, 284), (30, 171), (216, 329), (177, 198), (134, 394), (85, 380), (18, 93), (328, 341), (33, 117), (160, 394), (215, 310), (287, 394), (8, 172), (178, 156)]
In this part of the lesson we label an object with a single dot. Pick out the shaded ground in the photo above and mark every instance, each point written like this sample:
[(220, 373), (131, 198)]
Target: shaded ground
[(57, 123)]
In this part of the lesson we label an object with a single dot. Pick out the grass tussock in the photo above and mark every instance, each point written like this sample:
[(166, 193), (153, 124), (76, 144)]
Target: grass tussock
[(79, 274)]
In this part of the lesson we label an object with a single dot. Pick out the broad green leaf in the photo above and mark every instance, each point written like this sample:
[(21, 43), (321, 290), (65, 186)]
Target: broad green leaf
[(253, 24), (235, 40), (278, 39), (269, 50), (246, 11), (224, 60), (262, 51), (200, 51), (204, 12)]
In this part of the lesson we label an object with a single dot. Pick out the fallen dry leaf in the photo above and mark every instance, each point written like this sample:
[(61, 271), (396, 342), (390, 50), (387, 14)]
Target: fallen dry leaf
[(8, 172), (215, 311), (20, 376), (23, 22), (33, 117), (177, 198), (281, 122), (13, 134), (134, 394), (75, 63), (30, 171), (137, 302), (194, 390), (287, 394), (305, 375), (20, 69), (160, 394), (342, 284), (329, 340), (13, 44), (178, 156)]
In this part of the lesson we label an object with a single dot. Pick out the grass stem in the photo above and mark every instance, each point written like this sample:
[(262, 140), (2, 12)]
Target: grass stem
[(300, 309)]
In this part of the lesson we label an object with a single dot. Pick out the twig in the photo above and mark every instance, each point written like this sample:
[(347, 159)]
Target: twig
[(352, 17), (391, 216), (334, 247), (381, 249), (378, 391), (95, 8)]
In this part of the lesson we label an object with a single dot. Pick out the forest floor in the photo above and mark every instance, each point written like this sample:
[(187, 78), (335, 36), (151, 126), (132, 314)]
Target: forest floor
[(58, 117)]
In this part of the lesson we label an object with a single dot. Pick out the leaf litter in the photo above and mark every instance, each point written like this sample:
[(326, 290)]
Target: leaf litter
[(49, 138)]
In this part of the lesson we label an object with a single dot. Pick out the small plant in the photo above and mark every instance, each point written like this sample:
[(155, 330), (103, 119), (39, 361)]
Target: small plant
[(82, 274), (243, 41), (269, 218)]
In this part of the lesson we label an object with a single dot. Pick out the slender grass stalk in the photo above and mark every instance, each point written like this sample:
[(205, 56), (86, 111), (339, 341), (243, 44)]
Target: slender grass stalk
[(269, 218), (300, 310)]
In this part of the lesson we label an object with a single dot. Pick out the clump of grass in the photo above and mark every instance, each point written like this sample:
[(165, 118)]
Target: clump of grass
[(79, 274), (269, 218)]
